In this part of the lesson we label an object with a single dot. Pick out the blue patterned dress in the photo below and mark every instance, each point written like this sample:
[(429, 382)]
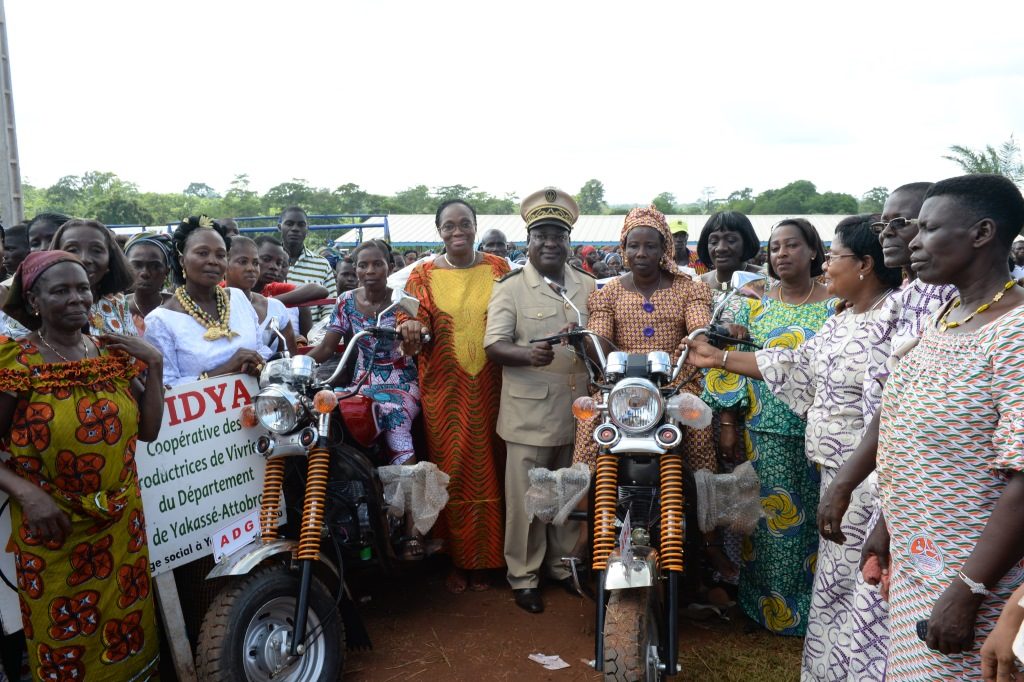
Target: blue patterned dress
[(392, 384), (777, 559)]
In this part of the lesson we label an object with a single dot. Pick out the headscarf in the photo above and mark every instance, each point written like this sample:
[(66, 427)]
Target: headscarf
[(160, 241), (584, 252), (652, 217), (25, 277)]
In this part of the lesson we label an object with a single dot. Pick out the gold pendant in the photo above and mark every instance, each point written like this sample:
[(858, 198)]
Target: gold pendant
[(214, 333)]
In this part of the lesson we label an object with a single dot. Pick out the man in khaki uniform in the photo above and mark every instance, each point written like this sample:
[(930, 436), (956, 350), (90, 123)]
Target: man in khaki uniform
[(539, 384)]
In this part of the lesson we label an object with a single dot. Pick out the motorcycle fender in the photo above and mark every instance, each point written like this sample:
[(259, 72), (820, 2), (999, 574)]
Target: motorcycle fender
[(243, 562), (644, 445), (638, 567)]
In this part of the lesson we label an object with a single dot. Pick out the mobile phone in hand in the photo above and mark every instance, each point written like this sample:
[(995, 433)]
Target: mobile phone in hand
[(922, 630)]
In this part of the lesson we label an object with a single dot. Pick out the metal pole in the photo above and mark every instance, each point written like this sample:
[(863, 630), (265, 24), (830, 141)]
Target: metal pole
[(12, 208)]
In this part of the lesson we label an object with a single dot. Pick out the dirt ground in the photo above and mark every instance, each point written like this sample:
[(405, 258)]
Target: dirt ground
[(420, 632)]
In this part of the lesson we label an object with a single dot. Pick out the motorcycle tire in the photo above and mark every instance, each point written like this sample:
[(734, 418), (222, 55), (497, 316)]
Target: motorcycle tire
[(631, 637), (242, 632)]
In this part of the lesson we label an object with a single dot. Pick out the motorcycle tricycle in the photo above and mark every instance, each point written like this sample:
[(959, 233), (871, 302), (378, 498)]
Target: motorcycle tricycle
[(286, 613), (644, 499)]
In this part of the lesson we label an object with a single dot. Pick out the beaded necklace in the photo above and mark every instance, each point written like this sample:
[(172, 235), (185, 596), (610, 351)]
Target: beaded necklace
[(944, 324), (215, 328)]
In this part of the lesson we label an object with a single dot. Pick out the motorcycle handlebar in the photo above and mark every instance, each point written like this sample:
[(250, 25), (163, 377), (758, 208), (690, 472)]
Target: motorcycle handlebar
[(376, 332)]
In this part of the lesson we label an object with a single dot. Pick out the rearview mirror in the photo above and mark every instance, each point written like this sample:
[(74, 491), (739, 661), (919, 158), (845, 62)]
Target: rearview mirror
[(742, 278), (409, 304)]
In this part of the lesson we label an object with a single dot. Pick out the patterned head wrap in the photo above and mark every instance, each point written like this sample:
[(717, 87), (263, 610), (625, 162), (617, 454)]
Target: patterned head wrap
[(27, 274), (652, 217), (160, 241)]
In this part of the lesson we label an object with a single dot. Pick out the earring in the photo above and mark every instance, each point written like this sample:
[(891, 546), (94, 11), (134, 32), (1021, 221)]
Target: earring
[(862, 278)]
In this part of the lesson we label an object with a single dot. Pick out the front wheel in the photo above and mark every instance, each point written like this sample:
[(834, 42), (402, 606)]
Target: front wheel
[(246, 633), (631, 637)]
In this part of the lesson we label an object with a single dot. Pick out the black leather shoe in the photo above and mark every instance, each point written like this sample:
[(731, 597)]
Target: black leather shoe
[(528, 599)]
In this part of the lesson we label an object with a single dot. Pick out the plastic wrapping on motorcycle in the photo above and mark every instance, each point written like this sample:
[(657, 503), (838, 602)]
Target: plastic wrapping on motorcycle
[(553, 495), (421, 488), (728, 500), (636, 567)]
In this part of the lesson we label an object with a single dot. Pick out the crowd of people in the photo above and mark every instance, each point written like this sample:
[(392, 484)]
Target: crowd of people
[(882, 413)]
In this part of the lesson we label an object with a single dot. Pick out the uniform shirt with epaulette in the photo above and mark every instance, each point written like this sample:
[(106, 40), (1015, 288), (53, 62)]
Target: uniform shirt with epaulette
[(536, 402)]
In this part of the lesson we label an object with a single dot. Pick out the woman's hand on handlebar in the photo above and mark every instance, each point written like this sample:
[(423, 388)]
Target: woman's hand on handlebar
[(412, 332), (702, 354)]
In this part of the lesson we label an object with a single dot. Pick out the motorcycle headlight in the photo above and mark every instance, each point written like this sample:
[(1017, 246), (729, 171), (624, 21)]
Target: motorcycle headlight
[(277, 408), (635, 405)]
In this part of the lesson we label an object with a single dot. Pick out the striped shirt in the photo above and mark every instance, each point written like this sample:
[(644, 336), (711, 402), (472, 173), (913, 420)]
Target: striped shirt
[(311, 268)]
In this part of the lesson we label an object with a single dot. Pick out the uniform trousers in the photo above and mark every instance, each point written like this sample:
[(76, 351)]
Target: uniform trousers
[(529, 545)]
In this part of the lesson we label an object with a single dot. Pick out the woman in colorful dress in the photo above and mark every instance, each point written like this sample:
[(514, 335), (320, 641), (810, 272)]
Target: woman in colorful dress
[(109, 273), (727, 243), (950, 459), (71, 410), (461, 390), (824, 380), (387, 376), (205, 330), (149, 255), (647, 309), (778, 558)]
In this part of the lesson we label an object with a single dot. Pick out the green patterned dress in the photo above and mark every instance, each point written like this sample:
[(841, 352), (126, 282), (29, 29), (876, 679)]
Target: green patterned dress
[(778, 558)]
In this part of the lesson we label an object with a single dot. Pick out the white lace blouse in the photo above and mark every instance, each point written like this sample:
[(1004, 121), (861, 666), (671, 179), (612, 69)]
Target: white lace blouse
[(187, 354)]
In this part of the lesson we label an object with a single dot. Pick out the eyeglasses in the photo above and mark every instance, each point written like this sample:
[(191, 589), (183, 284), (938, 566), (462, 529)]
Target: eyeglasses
[(449, 228), (832, 256), (897, 224)]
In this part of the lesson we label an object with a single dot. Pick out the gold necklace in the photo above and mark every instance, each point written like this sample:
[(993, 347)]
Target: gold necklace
[(85, 348), (944, 324), (453, 266), (216, 328), (806, 298)]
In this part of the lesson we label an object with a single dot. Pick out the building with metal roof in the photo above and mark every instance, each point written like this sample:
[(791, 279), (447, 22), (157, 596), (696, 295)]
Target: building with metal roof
[(411, 230)]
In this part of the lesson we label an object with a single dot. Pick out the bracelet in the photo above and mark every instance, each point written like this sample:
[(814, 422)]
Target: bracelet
[(976, 587), (727, 423), (725, 359)]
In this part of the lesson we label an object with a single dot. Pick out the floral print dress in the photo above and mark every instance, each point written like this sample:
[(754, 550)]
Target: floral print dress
[(87, 603), (778, 558), (827, 380), (392, 382)]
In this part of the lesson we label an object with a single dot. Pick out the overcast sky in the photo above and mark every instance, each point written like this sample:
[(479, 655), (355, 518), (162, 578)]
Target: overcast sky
[(511, 96)]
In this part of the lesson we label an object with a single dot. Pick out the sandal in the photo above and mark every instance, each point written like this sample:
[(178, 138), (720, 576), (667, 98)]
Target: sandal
[(411, 549)]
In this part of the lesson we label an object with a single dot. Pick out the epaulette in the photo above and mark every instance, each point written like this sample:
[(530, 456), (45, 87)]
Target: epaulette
[(582, 271), (513, 273)]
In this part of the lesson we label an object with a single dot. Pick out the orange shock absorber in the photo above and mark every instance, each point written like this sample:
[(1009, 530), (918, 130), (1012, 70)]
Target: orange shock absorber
[(313, 507), (273, 481), (672, 512), (606, 493)]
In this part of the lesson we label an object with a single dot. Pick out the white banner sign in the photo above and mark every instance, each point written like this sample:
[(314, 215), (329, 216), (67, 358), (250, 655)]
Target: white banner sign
[(203, 472)]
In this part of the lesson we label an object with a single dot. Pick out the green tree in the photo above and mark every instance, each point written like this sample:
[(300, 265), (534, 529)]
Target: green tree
[(873, 200), (833, 203), (741, 200), (591, 198), (412, 200), (200, 189), (239, 200), (1006, 160), (665, 202), (794, 198)]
